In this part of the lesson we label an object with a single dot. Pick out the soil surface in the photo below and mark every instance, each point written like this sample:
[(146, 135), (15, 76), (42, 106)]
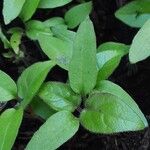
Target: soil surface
[(135, 79)]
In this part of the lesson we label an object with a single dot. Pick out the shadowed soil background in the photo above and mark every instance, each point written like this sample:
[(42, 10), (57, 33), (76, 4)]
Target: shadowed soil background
[(135, 79)]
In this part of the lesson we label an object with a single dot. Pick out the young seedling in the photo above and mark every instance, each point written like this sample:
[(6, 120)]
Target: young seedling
[(104, 107), (107, 107)]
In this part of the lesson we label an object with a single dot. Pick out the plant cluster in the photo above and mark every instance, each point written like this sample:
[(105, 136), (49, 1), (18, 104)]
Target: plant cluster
[(103, 106)]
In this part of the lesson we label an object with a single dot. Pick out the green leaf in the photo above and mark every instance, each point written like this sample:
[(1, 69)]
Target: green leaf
[(56, 131), (116, 90), (10, 121), (135, 13), (8, 89), (31, 79), (107, 113), (35, 28), (108, 58), (64, 34), (40, 108), (28, 9), (59, 96), (4, 39), (55, 21), (140, 47), (106, 65), (11, 9), (15, 40), (77, 14), (82, 69), (119, 47), (53, 3), (56, 49)]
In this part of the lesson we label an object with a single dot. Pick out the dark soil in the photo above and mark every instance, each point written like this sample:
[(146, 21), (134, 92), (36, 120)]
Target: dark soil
[(135, 79)]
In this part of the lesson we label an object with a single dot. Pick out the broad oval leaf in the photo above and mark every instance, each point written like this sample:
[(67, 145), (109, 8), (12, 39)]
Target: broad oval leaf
[(28, 9), (56, 131), (53, 3), (11, 9), (34, 29), (106, 113), (59, 96), (108, 58), (77, 14), (114, 89), (31, 79), (10, 121), (8, 88), (82, 68), (140, 47), (135, 13), (56, 49), (40, 108)]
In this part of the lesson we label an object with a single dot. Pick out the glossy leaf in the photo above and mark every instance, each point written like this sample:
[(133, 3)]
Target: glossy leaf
[(11, 9), (10, 121), (106, 113), (56, 131), (31, 79), (116, 90), (77, 14), (140, 47), (28, 9), (82, 69), (40, 108), (8, 89), (59, 96), (53, 3), (35, 28), (135, 13), (108, 58), (56, 49)]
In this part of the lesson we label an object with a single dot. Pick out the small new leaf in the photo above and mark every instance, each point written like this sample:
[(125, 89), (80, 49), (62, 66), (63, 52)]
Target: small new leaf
[(15, 40)]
